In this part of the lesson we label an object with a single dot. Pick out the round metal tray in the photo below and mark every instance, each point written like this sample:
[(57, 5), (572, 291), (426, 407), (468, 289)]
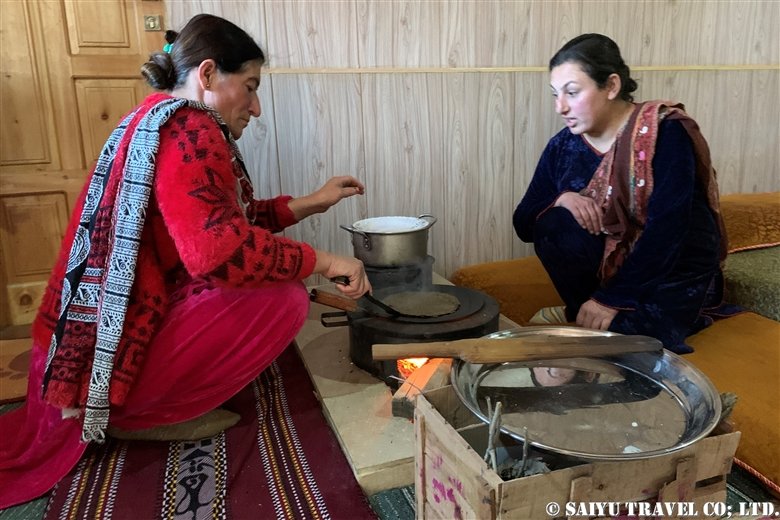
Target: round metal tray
[(625, 407)]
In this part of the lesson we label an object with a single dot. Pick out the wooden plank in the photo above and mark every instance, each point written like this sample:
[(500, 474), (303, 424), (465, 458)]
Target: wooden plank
[(456, 482), (447, 404), (421, 446), (433, 374), (453, 444)]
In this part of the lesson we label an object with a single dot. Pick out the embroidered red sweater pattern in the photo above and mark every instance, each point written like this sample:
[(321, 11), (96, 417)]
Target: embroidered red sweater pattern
[(199, 221)]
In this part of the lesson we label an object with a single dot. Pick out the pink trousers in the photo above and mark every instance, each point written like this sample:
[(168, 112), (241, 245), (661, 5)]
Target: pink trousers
[(209, 346)]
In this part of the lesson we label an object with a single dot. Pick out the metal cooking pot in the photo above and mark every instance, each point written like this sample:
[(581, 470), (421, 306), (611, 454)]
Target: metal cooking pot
[(391, 241)]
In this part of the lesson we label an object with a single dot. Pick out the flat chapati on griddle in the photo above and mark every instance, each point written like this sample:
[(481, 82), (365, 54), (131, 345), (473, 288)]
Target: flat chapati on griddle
[(424, 304)]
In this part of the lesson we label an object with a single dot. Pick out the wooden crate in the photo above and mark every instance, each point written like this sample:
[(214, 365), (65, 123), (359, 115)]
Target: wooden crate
[(452, 481)]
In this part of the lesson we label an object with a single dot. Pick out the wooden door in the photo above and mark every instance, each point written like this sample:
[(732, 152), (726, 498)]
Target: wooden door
[(70, 70)]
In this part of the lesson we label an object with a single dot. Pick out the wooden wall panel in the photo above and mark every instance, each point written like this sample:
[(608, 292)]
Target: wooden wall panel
[(669, 32), (24, 114), (760, 171), (312, 34), (249, 15), (389, 33), (478, 165), (721, 102), (402, 129), (258, 145), (535, 121), (102, 104), (459, 32), (319, 130), (27, 236), (550, 25), (67, 141), (485, 34), (731, 33)]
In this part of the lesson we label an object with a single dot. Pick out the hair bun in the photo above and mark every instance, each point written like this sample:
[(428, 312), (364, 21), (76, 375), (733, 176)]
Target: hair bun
[(170, 36), (159, 71)]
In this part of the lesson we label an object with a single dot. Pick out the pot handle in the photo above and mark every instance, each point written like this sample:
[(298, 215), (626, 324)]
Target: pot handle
[(328, 319), (430, 218), (366, 238)]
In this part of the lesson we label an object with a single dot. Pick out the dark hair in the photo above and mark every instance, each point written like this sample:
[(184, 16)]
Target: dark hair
[(599, 58), (204, 37)]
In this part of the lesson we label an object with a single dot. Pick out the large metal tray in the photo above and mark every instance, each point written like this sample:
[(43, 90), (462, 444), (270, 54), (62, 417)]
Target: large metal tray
[(625, 407)]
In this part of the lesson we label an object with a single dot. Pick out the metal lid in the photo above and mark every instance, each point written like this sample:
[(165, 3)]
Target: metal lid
[(624, 407)]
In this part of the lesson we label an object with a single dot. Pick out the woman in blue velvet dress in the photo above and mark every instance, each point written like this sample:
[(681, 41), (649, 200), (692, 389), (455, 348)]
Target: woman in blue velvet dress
[(623, 206)]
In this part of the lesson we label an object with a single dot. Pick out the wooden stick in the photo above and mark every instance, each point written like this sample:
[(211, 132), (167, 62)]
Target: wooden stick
[(530, 348)]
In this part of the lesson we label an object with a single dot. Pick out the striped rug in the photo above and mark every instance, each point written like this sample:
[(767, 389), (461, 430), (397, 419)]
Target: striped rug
[(280, 461)]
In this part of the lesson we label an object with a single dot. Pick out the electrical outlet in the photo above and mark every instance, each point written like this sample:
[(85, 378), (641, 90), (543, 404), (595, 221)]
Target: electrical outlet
[(153, 22)]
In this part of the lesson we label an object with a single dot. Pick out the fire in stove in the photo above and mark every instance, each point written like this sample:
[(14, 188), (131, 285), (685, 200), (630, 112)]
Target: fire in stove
[(406, 367)]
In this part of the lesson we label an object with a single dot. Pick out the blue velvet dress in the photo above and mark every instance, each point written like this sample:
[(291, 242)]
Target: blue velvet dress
[(671, 277)]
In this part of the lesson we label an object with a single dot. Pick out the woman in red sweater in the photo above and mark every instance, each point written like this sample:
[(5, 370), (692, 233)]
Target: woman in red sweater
[(171, 292)]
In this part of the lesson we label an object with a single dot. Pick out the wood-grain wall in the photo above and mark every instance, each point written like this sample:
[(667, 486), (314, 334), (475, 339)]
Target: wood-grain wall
[(444, 107)]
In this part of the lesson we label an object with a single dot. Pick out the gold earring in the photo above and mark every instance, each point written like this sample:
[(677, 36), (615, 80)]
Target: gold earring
[(208, 85)]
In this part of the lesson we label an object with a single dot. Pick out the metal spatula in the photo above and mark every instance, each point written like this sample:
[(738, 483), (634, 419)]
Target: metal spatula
[(343, 280)]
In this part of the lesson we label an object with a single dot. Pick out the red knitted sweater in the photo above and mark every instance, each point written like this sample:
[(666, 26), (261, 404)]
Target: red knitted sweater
[(202, 222)]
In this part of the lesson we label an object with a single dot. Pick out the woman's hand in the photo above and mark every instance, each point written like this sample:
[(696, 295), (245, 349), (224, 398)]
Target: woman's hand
[(333, 191), (593, 315), (584, 210), (331, 266)]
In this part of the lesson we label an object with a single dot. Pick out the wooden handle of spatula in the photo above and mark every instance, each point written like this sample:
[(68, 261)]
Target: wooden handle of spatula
[(530, 348), (333, 300)]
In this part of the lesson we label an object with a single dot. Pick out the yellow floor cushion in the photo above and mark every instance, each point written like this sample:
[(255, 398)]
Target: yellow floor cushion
[(521, 286), (741, 354), (752, 219)]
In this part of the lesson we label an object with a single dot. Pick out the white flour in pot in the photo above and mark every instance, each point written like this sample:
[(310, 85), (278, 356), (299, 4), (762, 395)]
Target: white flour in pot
[(390, 224)]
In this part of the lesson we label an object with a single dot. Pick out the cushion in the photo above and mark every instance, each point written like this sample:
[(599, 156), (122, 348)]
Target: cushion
[(752, 219), (520, 286), (752, 280), (741, 354)]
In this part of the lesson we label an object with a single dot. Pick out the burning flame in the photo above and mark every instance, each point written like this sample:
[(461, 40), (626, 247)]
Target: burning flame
[(407, 366)]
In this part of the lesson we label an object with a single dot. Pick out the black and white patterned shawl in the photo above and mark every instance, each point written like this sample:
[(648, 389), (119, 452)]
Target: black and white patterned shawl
[(108, 300)]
